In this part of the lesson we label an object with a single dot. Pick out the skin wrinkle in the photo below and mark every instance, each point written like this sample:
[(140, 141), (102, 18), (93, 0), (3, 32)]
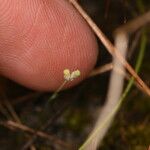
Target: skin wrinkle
[(74, 59), (5, 11), (34, 22), (27, 52), (54, 38), (63, 37)]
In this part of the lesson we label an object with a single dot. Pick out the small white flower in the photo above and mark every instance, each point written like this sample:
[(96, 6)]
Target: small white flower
[(67, 74), (75, 74), (71, 76), (68, 77)]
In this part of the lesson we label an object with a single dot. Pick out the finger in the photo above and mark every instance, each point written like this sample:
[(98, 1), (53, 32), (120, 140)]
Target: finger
[(41, 38)]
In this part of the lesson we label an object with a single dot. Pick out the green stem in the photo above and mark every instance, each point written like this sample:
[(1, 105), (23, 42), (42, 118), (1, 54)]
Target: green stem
[(129, 86), (56, 92)]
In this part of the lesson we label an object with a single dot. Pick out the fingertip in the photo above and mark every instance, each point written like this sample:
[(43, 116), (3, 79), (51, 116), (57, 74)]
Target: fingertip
[(58, 39)]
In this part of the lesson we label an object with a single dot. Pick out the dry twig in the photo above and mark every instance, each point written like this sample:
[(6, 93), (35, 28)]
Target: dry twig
[(110, 47), (107, 115), (32, 131)]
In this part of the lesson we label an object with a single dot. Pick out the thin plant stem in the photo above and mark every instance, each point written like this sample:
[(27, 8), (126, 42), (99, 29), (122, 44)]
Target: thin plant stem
[(138, 65), (129, 86), (57, 91), (131, 27)]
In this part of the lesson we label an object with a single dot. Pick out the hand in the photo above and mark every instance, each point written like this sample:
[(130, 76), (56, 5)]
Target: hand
[(41, 38)]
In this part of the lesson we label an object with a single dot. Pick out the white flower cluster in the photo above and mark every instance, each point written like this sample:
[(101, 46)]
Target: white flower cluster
[(69, 76)]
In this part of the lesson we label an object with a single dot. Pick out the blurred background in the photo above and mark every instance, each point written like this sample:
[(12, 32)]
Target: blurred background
[(72, 114)]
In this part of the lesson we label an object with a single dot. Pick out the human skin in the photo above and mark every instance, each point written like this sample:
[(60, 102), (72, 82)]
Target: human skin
[(41, 38)]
